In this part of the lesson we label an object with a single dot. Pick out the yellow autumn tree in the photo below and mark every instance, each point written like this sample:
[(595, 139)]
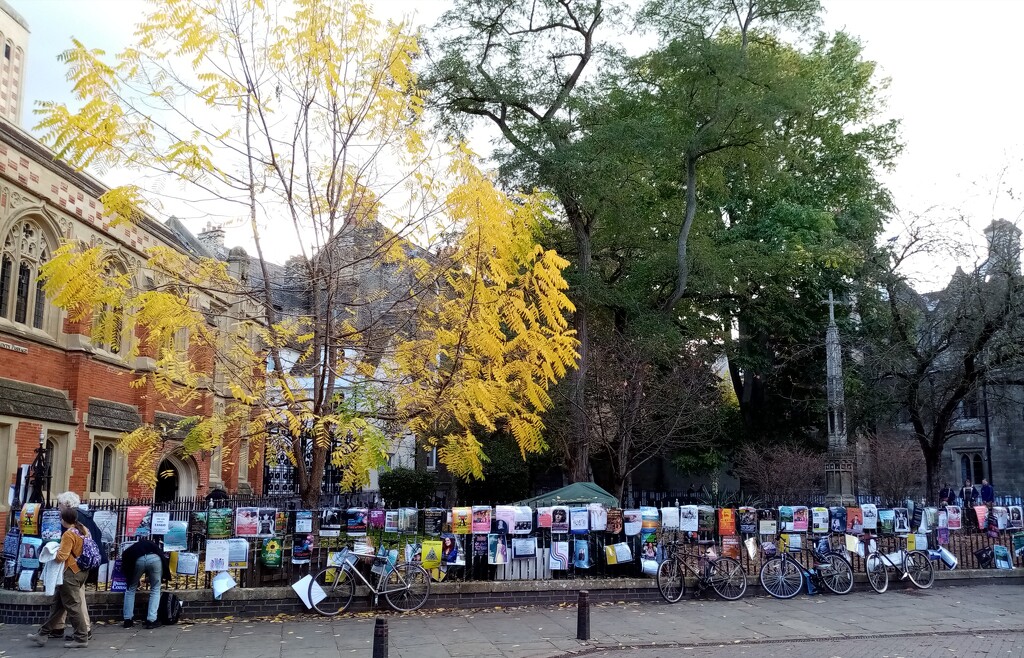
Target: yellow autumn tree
[(417, 298)]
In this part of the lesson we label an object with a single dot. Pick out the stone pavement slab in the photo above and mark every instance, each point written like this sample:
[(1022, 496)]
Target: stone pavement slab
[(754, 626)]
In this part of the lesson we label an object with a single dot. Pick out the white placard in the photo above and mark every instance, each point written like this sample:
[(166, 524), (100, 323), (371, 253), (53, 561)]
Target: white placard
[(217, 551), (161, 523)]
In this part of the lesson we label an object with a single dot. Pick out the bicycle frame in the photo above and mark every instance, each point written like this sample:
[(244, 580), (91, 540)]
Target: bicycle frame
[(902, 568), (348, 567)]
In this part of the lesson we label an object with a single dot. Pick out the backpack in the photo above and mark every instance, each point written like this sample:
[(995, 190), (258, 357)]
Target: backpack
[(170, 608), (90, 556)]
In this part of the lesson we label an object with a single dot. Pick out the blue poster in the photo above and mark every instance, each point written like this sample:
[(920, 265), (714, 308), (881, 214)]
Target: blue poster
[(581, 554)]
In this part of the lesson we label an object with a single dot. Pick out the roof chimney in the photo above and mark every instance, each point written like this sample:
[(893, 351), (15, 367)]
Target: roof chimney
[(212, 237)]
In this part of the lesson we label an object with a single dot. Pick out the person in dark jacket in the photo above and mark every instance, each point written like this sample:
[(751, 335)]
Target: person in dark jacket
[(947, 496), (988, 494), (968, 495), (143, 557)]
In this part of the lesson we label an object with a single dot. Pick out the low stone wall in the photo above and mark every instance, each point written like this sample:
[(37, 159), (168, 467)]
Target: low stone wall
[(32, 607)]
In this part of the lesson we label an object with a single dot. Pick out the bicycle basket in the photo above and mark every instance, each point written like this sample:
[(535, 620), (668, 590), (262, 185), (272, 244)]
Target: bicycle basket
[(769, 549)]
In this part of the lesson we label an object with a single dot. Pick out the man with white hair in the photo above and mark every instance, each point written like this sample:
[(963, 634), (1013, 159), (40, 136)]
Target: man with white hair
[(72, 500)]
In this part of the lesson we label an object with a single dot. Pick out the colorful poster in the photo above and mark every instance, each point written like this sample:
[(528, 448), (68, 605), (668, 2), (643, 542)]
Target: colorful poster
[(854, 520), (356, 521), (901, 521), (408, 519), (176, 537), (106, 521), (649, 518), (267, 522), (247, 521), (1002, 557), (942, 536), (767, 527), (558, 557), (688, 518), (302, 548), (431, 556), (544, 517), (748, 520), (801, 519), (497, 549), (1018, 544), (619, 553), (218, 523), (238, 553), (705, 519), (1002, 517), (391, 521), (137, 520), (579, 520), (726, 521), (929, 519), (632, 522), (377, 519), (197, 523), (30, 519), (981, 515), (451, 550), (559, 520), (598, 517), (670, 518), (331, 521), (886, 522), (820, 520), (954, 519), (523, 520), (504, 519), (524, 548), (481, 519), (303, 521), (791, 542), (614, 526), (1016, 517), (280, 522), (648, 545), (480, 545), (461, 520), (184, 564), (217, 551), (161, 521), (271, 552), (785, 519), (49, 525), (118, 583), (433, 521), (869, 517), (838, 519), (731, 547), (581, 554), (943, 519), (28, 557)]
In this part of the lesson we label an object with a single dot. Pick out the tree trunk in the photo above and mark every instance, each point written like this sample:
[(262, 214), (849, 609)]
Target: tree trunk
[(579, 421), (933, 467), (309, 490)]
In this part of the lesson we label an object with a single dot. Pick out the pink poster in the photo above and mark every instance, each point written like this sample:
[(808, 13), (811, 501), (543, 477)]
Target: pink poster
[(800, 519), (135, 523), (481, 518), (953, 517)]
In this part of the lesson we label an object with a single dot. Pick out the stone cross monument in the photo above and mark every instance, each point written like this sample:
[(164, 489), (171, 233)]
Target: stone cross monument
[(839, 461)]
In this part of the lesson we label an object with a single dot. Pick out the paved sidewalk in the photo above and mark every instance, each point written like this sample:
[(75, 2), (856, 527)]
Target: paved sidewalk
[(551, 631)]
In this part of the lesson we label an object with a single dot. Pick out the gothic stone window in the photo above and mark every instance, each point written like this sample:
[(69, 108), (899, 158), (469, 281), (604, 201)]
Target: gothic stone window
[(109, 332), (24, 250)]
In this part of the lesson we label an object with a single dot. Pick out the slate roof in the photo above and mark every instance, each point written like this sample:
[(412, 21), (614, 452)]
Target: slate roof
[(32, 401), (107, 415)]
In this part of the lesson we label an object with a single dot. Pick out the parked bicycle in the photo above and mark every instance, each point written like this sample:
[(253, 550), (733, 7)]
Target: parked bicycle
[(404, 586), (914, 565), (783, 576), (722, 574)]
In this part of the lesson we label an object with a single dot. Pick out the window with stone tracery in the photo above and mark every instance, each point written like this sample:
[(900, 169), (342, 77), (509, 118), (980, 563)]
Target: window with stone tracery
[(22, 299)]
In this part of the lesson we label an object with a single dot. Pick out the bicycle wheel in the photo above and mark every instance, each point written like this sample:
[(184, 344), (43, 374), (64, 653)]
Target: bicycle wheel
[(407, 587), (836, 574), (728, 578), (338, 586), (781, 578), (878, 572), (920, 569), (671, 580)]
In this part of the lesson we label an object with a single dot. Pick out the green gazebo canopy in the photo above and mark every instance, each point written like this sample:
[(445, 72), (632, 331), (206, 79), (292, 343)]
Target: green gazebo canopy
[(577, 492)]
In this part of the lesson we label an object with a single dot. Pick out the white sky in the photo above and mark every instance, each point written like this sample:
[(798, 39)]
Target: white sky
[(953, 67)]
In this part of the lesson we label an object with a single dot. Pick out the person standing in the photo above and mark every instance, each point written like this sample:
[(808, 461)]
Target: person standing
[(69, 499), (988, 494), (70, 600), (143, 557), (968, 495), (947, 496)]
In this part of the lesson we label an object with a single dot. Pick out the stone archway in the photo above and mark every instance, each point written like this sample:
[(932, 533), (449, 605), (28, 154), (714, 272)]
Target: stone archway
[(176, 478)]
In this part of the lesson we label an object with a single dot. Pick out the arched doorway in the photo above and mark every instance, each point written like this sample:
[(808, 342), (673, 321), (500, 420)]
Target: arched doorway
[(175, 478)]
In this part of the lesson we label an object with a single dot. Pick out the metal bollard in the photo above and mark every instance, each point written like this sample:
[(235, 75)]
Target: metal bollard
[(583, 616), (380, 638)]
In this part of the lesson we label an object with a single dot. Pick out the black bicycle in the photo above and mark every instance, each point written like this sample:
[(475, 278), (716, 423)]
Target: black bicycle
[(783, 576), (722, 574)]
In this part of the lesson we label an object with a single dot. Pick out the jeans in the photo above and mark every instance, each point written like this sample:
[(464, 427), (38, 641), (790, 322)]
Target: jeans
[(150, 565)]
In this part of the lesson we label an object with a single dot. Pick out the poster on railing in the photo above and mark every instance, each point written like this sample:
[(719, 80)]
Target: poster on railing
[(917, 541), (954, 517), (451, 549), (479, 545), (748, 520), (942, 536), (433, 521), (929, 519), (614, 521), (137, 521), (497, 549), (544, 517), (185, 564), (356, 519), (106, 521), (670, 518), (504, 518), (981, 516), (523, 520), (785, 518), (29, 553), (197, 523), (886, 522), (462, 520), (559, 520), (1016, 518), (176, 537), (649, 545), (524, 548), (901, 521), (331, 520), (267, 522), (29, 519), (391, 521), (431, 554), (837, 519), (161, 522), (650, 519), (705, 519), (238, 553), (731, 547), (558, 556), (632, 522), (767, 523), (801, 518), (1002, 557), (376, 519), (217, 551), (247, 521), (49, 525), (118, 583), (726, 521), (791, 542), (619, 553), (280, 522), (271, 552), (413, 552), (581, 554), (1001, 515), (302, 548), (481, 519), (688, 518), (1018, 544), (218, 523), (869, 516), (579, 520), (303, 521), (819, 520), (408, 519)]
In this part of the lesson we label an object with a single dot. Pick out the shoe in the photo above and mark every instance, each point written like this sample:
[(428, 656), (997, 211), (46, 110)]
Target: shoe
[(128, 623), (40, 640), (150, 625), (76, 644), (69, 638)]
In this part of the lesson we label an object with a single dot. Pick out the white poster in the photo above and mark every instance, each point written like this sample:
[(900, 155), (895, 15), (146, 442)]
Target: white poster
[(523, 520), (870, 513), (217, 552), (632, 521), (670, 518), (598, 517), (688, 518), (160, 523)]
